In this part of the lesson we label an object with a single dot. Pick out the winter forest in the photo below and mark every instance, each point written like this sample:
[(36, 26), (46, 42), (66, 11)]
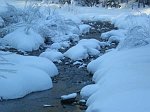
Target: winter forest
[(74, 55)]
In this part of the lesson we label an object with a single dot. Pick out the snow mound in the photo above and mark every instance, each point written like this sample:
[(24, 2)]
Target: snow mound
[(114, 35), (22, 81), (21, 75), (52, 55), (90, 43), (60, 45), (77, 52), (84, 49), (123, 80), (88, 90), (37, 62), (21, 40), (69, 96), (84, 28)]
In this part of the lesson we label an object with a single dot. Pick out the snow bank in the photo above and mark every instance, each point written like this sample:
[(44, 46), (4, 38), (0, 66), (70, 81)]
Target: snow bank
[(123, 80), (114, 35), (21, 40), (21, 75), (37, 62), (52, 55), (83, 49)]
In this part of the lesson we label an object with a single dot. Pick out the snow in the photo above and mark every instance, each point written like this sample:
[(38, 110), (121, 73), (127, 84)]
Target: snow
[(63, 38), (52, 55), (60, 45), (21, 40), (83, 49), (2, 6), (90, 43), (88, 90), (2, 23), (122, 78), (21, 75), (77, 52), (84, 28), (69, 96), (114, 35)]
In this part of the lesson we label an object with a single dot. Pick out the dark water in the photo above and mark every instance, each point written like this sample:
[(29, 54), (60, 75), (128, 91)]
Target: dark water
[(71, 79)]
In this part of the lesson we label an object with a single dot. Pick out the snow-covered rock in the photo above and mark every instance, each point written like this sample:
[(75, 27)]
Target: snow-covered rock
[(21, 75), (52, 55), (114, 35), (84, 28), (83, 49), (60, 45), (62, 38), (69, 96), (88, 90), (21, 40), (90, 43), (77, 52)]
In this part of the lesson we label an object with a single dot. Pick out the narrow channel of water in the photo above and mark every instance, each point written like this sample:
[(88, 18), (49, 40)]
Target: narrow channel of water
[(71, 79)]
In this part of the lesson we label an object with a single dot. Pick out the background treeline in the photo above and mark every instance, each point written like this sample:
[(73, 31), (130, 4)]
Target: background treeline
[(104, 3)]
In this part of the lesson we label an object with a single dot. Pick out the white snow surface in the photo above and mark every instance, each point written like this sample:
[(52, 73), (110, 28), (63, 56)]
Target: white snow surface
[(21, 75), (114, 35), (2, 23), (84, 28), (53, 55), (77, 52), (84, 49), (21, 40), (69, 96), (122, 78)]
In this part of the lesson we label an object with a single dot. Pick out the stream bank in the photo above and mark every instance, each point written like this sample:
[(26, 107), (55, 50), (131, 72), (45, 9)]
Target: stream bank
[(72, 78)]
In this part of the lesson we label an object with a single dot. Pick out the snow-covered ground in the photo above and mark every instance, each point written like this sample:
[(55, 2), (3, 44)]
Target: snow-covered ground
[(21, 75), (122, 81), (121, 76)]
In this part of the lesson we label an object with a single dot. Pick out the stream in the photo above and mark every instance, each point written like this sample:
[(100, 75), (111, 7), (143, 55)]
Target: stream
[(71, 79)]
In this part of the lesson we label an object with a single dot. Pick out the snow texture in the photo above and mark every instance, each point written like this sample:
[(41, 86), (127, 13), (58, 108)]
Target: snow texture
[(84, 49), (122, 78), (69, 96), (21, 40), (52, 55), (21, 75)]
